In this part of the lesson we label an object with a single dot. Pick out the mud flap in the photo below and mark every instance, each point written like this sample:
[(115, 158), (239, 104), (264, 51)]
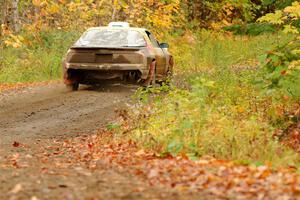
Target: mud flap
[(68, 79), (151, 76)]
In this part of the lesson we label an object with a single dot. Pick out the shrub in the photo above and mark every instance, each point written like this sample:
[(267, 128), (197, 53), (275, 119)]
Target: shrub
[(281, 69), (250, 29), (36, 60), (222, 115), (215, 109)]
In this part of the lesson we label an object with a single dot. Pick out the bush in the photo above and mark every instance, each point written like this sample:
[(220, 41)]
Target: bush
[(250, 29), (37, 59), (281, 69), (222, 115), (216, 109)]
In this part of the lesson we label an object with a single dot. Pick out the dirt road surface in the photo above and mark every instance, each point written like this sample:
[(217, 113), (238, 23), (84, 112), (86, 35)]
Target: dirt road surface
[(51, 111), (32, 118)]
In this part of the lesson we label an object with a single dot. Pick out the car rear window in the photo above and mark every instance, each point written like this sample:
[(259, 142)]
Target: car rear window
[(111, 38)]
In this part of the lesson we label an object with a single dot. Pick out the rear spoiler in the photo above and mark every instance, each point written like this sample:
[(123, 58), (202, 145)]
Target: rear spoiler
[(108, 48)]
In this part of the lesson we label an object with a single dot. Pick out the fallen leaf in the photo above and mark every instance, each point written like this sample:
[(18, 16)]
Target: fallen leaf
[(16, 144), (16, 189), (62, 186), (140, 153), (153, 173)]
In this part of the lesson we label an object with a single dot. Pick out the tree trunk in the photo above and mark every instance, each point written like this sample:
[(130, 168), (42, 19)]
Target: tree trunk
[(2, 24), (2, 18), (115, 9), (15, 15), (3, 5), (99, 6)]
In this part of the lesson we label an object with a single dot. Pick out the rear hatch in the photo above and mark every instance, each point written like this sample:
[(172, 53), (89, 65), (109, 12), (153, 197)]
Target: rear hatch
[(126, 55)]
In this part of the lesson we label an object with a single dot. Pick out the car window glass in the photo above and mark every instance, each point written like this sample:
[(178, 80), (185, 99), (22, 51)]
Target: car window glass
[(111, 38), (152, 39)]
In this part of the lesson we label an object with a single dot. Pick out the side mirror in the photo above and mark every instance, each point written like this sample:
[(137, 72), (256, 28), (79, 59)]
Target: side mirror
[(164, 45)]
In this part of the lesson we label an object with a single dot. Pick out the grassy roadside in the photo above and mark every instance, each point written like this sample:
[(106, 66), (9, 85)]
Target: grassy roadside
[(216, 108), (37, 59)]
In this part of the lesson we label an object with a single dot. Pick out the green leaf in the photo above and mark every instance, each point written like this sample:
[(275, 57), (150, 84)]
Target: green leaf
[(273, 18), (267, 2), (187, 124), (290, 29), (262, 58), (112, 126), (174, 147)]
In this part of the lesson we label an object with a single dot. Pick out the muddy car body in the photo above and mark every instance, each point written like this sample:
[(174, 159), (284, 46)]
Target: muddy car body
[(116, 53)]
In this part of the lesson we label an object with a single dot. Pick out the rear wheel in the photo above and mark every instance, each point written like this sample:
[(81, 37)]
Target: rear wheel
[(73, 86), (151, 80)]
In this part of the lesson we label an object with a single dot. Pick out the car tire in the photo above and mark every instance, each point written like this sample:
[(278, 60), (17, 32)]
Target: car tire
[(151, 80), (73, 86), (170, 69)]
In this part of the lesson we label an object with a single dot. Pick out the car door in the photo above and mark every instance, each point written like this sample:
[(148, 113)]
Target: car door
[(159, 55)]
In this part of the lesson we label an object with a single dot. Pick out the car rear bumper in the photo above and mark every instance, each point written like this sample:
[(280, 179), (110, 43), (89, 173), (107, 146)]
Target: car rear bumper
[(108, 68), (93, 66)]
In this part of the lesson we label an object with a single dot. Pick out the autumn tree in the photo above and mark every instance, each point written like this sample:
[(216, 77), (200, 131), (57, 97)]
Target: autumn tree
[(10, 14)]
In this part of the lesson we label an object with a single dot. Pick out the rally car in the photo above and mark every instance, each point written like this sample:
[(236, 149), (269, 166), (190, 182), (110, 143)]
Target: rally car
[(117, 52)]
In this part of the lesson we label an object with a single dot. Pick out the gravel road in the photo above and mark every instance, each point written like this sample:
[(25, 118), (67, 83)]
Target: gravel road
[(35, 117), (51, 111)]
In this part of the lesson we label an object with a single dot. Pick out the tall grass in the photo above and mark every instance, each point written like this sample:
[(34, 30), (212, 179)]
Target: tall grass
[(204, 50), (39, 61), (221, 112)]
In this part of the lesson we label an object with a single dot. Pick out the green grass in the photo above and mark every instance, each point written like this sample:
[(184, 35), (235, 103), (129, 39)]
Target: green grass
[(211, 50), (39, 61), (215, 108)]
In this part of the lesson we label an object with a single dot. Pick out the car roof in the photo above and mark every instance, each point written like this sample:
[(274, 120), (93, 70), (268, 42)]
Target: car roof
[(118, 28)]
